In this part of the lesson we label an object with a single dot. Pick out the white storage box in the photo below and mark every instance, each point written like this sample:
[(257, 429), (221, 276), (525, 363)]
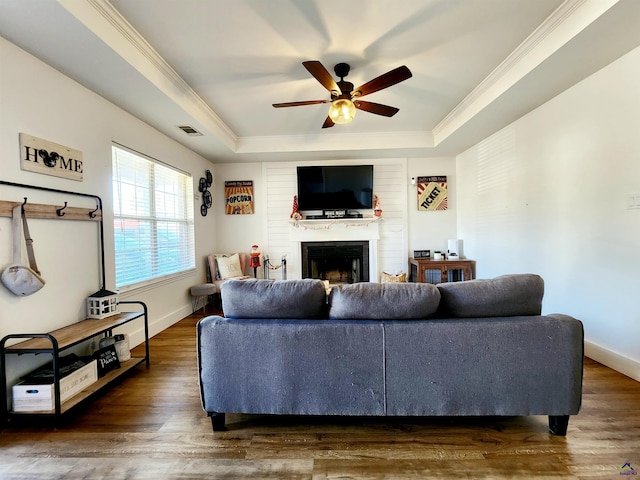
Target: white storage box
[(40, 398)]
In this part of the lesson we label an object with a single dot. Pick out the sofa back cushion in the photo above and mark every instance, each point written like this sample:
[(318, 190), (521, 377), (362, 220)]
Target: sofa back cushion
[(383, 301), (508, 295), (282, 299)]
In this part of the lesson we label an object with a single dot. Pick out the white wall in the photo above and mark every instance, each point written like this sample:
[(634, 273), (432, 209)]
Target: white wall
[(237, 233), (403, 229), (548, 194), (38, 100), (430, 230)]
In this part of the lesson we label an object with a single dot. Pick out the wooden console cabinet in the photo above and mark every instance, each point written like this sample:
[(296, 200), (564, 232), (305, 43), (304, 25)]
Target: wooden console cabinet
[(446, 270)]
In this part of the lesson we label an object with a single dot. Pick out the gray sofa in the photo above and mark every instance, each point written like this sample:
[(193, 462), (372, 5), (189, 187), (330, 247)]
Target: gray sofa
[(480, 347)]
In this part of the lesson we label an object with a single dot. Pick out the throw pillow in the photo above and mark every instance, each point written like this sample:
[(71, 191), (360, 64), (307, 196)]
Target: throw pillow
[(229, 267), (388, 278)]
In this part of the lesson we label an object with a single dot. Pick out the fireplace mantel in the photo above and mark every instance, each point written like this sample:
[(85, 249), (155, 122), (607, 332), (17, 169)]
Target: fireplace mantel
[(345, 221), (335, 229)]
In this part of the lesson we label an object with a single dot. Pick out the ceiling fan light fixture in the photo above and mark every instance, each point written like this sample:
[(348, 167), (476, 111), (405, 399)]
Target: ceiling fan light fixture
[(342, 110)]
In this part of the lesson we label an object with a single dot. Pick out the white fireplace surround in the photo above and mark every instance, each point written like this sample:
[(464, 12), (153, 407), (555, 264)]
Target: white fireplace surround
[(360, 229)]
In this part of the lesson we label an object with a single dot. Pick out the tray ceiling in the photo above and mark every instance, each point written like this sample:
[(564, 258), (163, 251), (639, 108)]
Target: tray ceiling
[(217, 66)]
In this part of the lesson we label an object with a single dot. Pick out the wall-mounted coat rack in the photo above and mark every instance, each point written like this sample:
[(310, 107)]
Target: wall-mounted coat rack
[(64, 212)]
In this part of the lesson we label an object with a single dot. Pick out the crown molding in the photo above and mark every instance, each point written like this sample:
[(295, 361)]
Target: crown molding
[(567, 21), (103, 20), (331, 142)]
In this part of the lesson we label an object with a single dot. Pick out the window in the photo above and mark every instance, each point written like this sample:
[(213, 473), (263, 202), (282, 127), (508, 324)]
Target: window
[(153, 219)]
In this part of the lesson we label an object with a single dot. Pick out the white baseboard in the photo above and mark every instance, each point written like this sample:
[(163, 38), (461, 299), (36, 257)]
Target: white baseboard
[(156, 325), (611, 359)]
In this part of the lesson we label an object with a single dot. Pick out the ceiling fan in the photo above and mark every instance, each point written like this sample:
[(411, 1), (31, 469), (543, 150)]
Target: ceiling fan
[(344, 98)]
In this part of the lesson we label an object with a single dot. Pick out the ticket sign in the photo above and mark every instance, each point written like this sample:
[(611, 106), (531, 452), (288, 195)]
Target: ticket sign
[(432, 193)]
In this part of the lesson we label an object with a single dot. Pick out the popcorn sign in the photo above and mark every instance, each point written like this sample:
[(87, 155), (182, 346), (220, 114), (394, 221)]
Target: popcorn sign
[(238, 197)]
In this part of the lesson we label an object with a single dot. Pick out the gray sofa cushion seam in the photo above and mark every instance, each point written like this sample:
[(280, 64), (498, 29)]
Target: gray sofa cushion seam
[(384, 368)]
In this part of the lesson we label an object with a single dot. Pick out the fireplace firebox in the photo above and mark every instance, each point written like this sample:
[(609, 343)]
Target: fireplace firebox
[(336, 262)]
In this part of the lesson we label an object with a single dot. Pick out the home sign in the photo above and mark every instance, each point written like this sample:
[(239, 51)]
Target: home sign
[(42, 156)]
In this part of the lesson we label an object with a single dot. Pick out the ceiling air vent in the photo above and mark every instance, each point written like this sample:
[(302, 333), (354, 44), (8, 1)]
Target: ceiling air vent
[(189, 130)]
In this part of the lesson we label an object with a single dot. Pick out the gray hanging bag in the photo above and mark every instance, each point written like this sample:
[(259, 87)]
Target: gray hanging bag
[(20, 279)]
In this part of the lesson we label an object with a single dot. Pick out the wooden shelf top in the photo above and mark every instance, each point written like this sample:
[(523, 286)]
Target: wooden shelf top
[(431, 260), (74, 333)]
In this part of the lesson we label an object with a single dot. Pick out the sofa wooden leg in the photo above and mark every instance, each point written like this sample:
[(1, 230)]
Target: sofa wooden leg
[(217, 421), (558, 424)]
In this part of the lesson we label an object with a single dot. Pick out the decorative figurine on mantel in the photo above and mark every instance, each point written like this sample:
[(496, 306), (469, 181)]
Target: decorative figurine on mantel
[(295, 214), (377, 209)]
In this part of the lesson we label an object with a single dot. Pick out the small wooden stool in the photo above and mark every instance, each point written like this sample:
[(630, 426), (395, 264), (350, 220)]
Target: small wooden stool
[(200, 291)]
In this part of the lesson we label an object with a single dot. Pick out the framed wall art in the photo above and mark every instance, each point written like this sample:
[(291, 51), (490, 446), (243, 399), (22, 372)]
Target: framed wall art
[(432, 193), (238, 197)]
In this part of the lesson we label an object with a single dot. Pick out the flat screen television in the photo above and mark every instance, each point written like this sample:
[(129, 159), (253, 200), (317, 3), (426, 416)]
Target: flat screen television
[(334, 187)]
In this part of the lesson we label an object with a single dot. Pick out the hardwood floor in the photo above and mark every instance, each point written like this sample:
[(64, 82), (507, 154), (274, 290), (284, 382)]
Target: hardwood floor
[(151, 426)]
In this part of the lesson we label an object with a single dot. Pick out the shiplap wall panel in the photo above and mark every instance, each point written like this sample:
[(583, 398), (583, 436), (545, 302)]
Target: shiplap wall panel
[(281, 186), (389, 184)]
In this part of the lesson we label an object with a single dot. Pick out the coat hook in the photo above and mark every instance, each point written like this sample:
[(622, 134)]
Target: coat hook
[(25, 202), (92, 214), (60, 212)]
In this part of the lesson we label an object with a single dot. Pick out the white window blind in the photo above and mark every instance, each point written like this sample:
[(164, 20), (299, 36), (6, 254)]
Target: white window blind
[(153, 220)]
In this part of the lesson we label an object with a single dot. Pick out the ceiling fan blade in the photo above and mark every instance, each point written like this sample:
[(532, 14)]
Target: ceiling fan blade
[(328, 123), (376, 108), (385, 80), (321, 74), (297, 104)]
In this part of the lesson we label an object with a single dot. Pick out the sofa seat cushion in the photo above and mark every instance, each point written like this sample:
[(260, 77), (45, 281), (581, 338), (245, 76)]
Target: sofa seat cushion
[(508, 295), (306, 367), (383, 301), (526, 365), (282, 299)]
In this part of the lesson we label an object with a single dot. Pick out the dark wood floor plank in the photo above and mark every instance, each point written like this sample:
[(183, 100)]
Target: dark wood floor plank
[(151, 425)]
